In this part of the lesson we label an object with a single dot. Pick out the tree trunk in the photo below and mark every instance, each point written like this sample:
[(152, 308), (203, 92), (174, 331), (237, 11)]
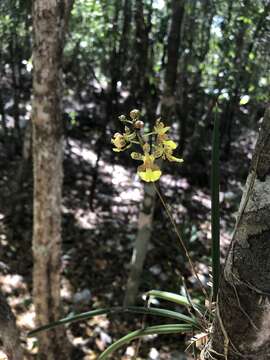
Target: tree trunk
[(168, 98), (145, 224), (140, 64), (49, 23), (242, 327)]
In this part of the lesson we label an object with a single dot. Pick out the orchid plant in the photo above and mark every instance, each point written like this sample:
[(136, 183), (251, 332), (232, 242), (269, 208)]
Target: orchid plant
[(153, 146)]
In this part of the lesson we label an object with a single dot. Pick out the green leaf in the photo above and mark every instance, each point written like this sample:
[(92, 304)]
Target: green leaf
[(69, 319), (169, 296), (177, 299), (215, 215), (131, 309), (164, 313), (151, 330)]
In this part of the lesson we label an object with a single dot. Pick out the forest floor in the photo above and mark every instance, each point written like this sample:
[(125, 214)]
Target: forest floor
[(98, 240)]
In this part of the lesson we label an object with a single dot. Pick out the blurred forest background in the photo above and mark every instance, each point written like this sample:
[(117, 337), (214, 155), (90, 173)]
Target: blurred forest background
[(170, 58)]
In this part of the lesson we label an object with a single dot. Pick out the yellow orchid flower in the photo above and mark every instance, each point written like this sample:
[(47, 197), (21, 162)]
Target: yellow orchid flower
[(160, 129), (148, 171), (119, 142), (162, 146), (123, 141), (165, 150)]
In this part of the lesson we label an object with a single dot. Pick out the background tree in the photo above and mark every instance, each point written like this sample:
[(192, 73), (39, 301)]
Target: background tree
[(49, 26)]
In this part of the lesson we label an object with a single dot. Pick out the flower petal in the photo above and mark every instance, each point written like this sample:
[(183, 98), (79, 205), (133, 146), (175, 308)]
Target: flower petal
[(150, 175), (170, 144), (159, 128), (158, 152), (170, 157)]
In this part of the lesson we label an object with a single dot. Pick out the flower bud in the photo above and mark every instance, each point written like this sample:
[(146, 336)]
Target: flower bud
[(139, 124), (122, 118), (146, 148), (134, 114)]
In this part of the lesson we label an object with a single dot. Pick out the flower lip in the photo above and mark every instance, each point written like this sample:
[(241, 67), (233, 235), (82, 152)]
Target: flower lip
[(148, 171), (149, 175)]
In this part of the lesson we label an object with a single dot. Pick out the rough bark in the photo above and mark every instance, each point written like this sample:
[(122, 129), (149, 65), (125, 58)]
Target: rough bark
[(242, 326), (9, 334), (49, 24)]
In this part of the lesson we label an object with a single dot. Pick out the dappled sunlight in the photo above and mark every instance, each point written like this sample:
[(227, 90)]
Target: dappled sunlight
[(83, 152), (10, 282), (175, 181), (86, 219), (134, 195), (202, 198), (3, 356)]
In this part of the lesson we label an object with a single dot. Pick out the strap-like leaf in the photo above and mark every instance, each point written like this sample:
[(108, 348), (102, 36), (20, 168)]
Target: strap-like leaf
[(164, 313), (177, 299), (131, 309), (151, 330), (169, 296), (215, 213)]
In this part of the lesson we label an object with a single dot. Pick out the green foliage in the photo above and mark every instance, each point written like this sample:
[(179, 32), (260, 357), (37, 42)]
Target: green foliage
[(151, 330), (215, 216), (117, 310)]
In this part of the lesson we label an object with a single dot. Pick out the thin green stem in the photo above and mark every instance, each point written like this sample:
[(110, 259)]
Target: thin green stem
[(176, 230), (215, 211), (149, 134), (180, 240), (135, 142)]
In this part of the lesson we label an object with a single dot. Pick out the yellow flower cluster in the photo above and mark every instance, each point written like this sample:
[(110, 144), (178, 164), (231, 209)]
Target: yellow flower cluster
[(162, 147)]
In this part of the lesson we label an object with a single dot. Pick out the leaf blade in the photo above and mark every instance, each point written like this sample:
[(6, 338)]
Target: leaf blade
[(151, 330)]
